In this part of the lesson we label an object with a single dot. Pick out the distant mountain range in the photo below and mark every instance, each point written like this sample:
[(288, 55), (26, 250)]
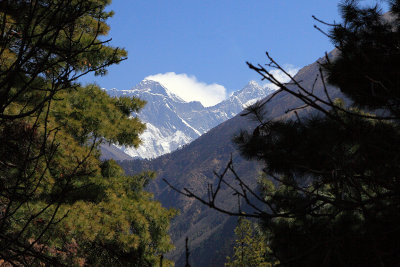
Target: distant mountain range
[(172, 122), (210, 232)]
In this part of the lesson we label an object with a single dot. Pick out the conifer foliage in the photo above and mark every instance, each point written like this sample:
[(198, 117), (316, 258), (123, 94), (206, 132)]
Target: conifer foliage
[(59, 204), (336, 198), (330, 190), (250, 246)]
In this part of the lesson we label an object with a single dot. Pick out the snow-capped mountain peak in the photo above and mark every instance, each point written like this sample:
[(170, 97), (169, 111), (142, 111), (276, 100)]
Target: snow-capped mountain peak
[(253, 84), (173, 122), (152, 87)]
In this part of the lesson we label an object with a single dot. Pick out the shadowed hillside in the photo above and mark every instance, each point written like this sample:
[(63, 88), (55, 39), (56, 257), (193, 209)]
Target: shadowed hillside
[(210, 232)]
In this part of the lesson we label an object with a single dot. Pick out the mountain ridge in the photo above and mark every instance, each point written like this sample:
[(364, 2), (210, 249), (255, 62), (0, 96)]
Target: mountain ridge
[(193, 166), (172, 122)]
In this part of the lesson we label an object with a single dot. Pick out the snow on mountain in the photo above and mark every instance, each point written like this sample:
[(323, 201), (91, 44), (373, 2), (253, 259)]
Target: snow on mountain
[(240, 99), (154, 142), (172, 122)]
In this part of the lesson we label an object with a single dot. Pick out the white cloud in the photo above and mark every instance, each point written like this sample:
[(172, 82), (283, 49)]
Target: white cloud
[(281, 76), (190, 89)]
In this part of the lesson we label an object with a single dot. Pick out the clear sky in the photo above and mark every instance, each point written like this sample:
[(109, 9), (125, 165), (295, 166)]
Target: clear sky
[(209, 41)]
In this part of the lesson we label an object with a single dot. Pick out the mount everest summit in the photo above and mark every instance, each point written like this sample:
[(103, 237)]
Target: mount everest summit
[(172, 122)]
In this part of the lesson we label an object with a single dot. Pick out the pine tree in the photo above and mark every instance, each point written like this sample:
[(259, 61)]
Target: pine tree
[(336, 197), (250, 246), (59, 203), (333, 197)]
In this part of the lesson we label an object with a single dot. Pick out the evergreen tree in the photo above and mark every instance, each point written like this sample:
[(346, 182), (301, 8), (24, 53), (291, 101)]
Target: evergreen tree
[(334, 198), (250, 246), (59, 204)]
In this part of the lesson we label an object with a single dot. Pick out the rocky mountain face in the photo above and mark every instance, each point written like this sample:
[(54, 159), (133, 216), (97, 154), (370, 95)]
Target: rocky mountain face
[(210, 232), (172, 122)]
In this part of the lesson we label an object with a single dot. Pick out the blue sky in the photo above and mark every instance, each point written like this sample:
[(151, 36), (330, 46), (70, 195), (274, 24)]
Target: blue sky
[(209, 41)]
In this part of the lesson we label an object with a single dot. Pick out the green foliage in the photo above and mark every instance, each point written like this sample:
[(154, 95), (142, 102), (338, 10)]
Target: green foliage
[(251, 246), (59, 204), (46, 46), (89, 113), (123, 228), (99, 216), (127, 106)]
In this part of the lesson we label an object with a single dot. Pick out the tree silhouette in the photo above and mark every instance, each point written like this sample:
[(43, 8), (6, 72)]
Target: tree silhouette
[(334, 196)]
